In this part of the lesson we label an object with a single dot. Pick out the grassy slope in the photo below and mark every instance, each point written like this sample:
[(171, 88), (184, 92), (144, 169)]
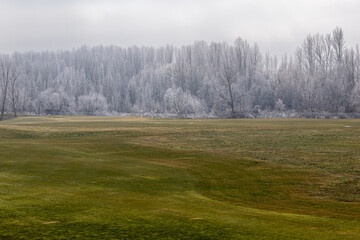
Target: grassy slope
[(110, 178)]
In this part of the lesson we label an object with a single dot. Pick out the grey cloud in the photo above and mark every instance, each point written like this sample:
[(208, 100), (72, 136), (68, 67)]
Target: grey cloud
[(278, 26)]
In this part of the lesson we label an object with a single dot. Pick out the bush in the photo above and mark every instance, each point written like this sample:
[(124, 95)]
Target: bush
[(53, 102), (92, 104)]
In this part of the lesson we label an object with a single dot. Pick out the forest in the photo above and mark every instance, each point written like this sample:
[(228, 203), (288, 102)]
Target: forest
[(203, 79)]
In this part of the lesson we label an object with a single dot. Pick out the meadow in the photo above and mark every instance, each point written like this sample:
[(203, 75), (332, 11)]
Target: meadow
[(142, 178)]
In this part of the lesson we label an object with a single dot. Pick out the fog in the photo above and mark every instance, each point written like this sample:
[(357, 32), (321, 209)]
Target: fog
[(278, 26)]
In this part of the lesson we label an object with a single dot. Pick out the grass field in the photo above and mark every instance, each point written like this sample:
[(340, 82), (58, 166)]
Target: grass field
[(138, 178)]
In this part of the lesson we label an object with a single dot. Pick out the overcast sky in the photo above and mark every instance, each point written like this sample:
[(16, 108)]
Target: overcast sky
[(278, 26)]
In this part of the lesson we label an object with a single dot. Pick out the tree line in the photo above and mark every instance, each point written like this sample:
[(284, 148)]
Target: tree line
[(322, 76)]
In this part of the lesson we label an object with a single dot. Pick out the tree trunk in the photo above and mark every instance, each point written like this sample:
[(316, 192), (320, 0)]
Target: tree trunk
[(3, 106), (14, 108)]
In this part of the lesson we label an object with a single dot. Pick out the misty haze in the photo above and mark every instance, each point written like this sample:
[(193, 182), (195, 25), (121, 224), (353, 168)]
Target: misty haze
[(179, 119)]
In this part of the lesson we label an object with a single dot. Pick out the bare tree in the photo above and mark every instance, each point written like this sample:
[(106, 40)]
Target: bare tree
[(14, 93), (227, 76), (9, 75), (323, 75), (338, 84), (338, 43), (309, 55)]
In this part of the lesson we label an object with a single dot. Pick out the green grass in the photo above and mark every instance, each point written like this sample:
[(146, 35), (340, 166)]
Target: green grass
[(138, 178)]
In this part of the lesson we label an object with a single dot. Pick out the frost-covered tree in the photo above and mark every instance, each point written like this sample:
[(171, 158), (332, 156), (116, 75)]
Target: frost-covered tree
[(225, 79), (55, 101), (8, 79), (15, 91), (180, 102), (279, 105), (92, 104)]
